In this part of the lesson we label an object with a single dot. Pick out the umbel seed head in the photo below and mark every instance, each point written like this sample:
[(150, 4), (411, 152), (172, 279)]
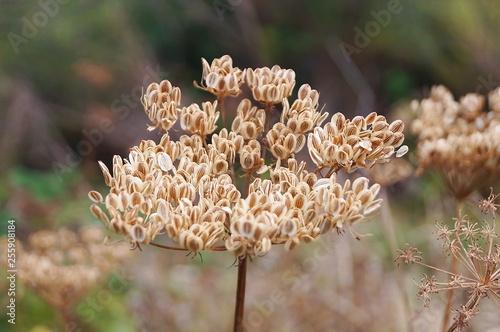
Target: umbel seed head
[(243, 188)]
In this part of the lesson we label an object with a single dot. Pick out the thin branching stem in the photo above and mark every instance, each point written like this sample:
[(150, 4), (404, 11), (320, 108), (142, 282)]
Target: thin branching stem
[(217, 248), (443, 271), (467, 260), (470, 305), (453, 270)]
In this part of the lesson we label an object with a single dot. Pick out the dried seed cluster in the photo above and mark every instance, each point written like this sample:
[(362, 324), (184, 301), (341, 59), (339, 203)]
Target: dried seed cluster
[(221, 78), (459, 138), (189, 189), (161, 102), (62, 266), (270, 86), (360, 142), (476, 248)]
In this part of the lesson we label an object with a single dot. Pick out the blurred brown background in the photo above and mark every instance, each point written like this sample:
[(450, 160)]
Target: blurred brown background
[(71, 75)]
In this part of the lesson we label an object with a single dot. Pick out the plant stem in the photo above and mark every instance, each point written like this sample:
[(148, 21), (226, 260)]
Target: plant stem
[(221, 100), (268, 109), (453, 270), (388, 221), (470, 305), (240, 294)]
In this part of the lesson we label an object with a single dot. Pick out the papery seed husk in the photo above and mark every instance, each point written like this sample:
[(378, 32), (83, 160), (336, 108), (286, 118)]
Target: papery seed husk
[(397, 126), (138, 233), (95, 196)]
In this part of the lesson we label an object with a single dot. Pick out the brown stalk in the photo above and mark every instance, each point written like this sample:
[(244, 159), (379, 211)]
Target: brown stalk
[(471, 305), (240, 294), (242, 279), (388, 221), (220, 101), (268, 109)]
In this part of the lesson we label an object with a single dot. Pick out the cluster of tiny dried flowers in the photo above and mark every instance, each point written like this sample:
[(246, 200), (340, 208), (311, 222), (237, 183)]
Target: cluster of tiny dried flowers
[(63, 266), (459, 138), (475, 246), (187, 189)]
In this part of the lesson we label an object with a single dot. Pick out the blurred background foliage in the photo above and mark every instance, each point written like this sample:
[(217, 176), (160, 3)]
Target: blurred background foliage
[(72, 73)]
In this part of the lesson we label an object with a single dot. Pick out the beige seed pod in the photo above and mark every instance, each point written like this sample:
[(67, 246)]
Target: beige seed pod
[(289, 227), (164, 87), (112, 201), (299, 201), (96, 210), (380, 126), (237, 246), (105, 173), (138, 233), (402, 151), (123, 200), (233, 195), (338, 120), (365, 196), (136, 199), (397, 126), (95, 196), (164, 162), (370, 118), (359, 184), (145, 207), (398, 139), (263, 246), (194, 244), (279, 209), (246, 228), (372, 207)]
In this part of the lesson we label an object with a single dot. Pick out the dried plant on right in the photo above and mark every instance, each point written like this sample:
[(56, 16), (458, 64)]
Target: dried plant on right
[(459, 139), (475, 245)]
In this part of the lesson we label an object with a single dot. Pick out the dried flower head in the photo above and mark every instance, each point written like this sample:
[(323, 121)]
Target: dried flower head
[(161, 103), (221, 78), (270, 85), (189, 190), (459, 138), (62, 266), (350, 144), (488, 205)]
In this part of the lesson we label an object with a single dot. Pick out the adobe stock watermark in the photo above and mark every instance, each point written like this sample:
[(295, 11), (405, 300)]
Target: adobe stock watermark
[(11, 271), (363, 37), (486, 83), (33, 23), (291, 280), (92, 138), (91, 306), (225, 6)]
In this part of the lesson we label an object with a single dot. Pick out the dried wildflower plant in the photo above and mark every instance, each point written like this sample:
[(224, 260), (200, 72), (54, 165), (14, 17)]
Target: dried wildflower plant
[(459, 138), (475, 246), (63, 266), (188, 189)]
